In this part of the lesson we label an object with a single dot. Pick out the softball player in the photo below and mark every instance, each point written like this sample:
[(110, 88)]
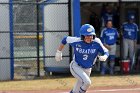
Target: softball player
[(86, 49), (109, 37), (129, 30), (107, 14)]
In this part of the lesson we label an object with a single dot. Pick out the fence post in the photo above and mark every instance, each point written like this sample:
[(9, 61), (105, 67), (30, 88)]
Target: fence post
[(38, 42)]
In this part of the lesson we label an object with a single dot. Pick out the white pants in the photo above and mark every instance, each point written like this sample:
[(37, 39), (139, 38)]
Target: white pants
[(113, 49), (82, 75), (128, 45)]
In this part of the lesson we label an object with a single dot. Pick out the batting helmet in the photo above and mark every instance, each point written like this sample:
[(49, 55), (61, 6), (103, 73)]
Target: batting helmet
[(87, 29)]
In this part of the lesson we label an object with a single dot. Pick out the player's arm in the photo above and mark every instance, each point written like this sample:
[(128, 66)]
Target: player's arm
[(122, 29), (60, 48), (135, 40), (137, 30), (66, 40), (58, 55), (105, 54), (103, 50), (118, 36)]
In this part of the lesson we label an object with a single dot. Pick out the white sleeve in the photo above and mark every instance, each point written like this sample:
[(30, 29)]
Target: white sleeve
[(72, 39), (101, 44)]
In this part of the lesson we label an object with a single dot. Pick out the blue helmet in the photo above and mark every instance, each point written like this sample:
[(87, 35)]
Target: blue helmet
[(87, 29), (131, 17)]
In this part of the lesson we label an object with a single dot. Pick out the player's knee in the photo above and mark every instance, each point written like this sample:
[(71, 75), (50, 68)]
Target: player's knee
[(87, 83)]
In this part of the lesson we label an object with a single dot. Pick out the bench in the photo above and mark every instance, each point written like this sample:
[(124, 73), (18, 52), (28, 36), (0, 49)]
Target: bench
[(25, 67)]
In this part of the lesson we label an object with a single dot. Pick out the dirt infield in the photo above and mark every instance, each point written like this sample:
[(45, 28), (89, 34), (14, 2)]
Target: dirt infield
[(100, 84), (124, 89)]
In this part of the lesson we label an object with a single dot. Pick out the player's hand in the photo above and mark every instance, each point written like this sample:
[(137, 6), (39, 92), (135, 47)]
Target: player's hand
[(103, 58), (58, 56)]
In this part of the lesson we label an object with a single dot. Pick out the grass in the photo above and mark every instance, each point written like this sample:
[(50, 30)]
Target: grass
[(67, 82)]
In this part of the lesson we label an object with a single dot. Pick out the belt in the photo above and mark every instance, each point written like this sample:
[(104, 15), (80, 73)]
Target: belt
[(111, 44), (84, 67), (129, 38), (80, 65)]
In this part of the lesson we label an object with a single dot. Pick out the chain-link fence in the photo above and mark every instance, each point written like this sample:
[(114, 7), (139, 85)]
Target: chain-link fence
[(28, 34)]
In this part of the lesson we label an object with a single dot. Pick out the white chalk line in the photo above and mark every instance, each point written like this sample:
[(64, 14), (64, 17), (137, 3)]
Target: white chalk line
[(111, 90), (107, 90)]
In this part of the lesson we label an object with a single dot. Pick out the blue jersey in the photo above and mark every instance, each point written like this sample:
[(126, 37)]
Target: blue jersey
[(130, 31), (109, 36), (85, 54)]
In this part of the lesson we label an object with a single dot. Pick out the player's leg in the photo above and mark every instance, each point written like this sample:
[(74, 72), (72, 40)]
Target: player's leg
[(76, 87), (88, 72), (112, 64), (131, 51), (112, 58), (79, 83), (86, 86), (103, 67), (80, 74), (125, 48), (71, 91)]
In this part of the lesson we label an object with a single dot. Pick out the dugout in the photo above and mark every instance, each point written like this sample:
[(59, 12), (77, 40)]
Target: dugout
[(91, 12)]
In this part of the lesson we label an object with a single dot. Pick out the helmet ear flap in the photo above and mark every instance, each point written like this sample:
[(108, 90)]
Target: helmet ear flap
[(94, 37), (82, 37)]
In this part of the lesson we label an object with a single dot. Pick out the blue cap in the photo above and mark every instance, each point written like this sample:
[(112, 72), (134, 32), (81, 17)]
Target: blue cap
[(131, 17)]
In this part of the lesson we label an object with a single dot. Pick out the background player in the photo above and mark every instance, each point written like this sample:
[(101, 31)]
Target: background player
[(129, 31), (86, 49), (109, 13), (109, 37)]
